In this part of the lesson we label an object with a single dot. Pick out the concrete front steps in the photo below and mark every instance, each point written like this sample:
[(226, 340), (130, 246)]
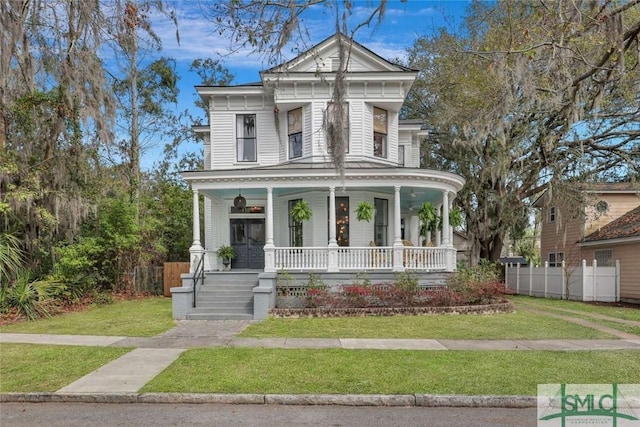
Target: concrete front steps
[(225, 296)]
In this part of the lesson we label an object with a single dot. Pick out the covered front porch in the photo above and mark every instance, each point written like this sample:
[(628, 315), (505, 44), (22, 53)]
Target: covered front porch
[(265, 238)]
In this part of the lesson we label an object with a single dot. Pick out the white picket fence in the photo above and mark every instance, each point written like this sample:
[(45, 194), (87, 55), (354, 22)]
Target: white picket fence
[(585, 283)]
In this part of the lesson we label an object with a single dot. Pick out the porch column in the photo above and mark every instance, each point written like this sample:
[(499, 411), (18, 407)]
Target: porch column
[(196, 250), (439, 233), (450, 255), (398, 247), (333, 242), (445, 219), (269, 247)]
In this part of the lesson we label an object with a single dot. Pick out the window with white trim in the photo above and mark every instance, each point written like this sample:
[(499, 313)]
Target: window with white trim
[(401, 155), (604, 257), (553, 214), (555, 259), (294, 130), (246, 141), (380, 120)]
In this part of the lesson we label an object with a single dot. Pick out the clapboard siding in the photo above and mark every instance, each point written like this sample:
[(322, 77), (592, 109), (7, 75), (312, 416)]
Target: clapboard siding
[(619, 204), (222, 139)]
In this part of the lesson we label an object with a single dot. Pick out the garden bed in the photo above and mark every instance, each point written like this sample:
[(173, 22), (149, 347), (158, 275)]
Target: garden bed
[(501, 307)]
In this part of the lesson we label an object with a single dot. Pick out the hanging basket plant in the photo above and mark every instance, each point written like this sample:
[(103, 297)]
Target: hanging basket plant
[(301, 211), (428, 215), (364, 211)]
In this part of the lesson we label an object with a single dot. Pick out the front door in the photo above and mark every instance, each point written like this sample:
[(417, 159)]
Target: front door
[(247, 239)]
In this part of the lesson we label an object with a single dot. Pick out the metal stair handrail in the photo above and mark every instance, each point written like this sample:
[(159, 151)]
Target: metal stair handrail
[(198, 276)]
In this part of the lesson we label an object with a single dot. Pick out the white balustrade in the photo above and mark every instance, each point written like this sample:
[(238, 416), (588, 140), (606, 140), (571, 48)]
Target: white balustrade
[(301, 258), (363, 258)]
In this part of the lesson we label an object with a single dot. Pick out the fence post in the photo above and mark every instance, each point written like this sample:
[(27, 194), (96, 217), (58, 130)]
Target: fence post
[(584, 280), (518, 279), (506, 276), (617, 296), (594, 282), (546, 279), (564, 283), (530, 282)]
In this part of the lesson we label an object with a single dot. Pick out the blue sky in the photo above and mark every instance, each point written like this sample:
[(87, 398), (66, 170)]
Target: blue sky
[(403, 23)]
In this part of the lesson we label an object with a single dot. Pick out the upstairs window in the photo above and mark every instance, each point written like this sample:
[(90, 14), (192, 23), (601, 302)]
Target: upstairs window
[(294, 129), (380, 132), (246, 142), (401, 155), (553, 214), (332, 110)]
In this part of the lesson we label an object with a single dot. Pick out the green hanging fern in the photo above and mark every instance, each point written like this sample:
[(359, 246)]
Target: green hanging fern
[(364, 211), (301, 211)]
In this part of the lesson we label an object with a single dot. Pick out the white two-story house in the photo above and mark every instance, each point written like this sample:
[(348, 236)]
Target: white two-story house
[(266, 149)]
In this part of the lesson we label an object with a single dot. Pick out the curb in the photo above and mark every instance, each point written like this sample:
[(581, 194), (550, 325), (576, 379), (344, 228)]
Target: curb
[(404, 400)]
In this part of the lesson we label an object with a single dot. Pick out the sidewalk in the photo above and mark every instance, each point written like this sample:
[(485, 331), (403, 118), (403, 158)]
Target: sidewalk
[(121, 379)]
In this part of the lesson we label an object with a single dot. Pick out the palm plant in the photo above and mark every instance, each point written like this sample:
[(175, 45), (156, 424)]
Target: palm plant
[(11, 257)]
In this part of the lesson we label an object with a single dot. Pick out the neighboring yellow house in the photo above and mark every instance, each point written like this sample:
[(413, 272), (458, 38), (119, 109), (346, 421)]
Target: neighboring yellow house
[(608, 229)]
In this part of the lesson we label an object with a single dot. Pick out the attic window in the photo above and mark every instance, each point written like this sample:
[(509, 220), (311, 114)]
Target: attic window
[(553, 214), (602, 207)]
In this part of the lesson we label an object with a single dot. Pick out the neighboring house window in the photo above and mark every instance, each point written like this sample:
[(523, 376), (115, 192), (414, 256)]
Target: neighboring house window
[(602, 207), (295, 227), (553, 214), (604, 257), (331, 111), (555, 259), (342, 220), (294, 128), (401, 155), (379, 132), (246, 150), (381, 221)]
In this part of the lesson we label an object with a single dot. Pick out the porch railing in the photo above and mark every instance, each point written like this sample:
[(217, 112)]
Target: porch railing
[(418, 258), (301, 258), (369, 258), (363, 258)]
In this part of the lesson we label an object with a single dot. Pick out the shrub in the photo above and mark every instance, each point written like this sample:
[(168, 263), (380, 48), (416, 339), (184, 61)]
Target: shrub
[(32, 299)]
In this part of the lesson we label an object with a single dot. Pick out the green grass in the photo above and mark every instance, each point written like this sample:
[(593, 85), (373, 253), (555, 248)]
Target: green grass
[(519, 325), (337, 371), (47, 368), (625, 313), (135, 318)]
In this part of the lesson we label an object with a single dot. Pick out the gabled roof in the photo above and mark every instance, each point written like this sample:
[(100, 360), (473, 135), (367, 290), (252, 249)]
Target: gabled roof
[(627, 226), (360, 58)]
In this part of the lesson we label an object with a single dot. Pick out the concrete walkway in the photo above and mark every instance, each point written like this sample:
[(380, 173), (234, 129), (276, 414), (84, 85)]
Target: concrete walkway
[(152, 355)]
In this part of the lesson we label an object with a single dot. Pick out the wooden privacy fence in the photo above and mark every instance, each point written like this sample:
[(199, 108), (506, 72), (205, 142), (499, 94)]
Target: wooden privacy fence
[(172, 272), (584, 283)]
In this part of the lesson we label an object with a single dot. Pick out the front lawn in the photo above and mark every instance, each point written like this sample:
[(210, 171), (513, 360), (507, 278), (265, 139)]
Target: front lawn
[(337, 371), (47, 368), (135, 318), (626, 312), (519, 325)]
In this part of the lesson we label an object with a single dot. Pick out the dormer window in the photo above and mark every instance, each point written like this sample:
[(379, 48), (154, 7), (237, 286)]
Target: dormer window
[(294, 129), (380, 132), (246, 142), (331, 113)]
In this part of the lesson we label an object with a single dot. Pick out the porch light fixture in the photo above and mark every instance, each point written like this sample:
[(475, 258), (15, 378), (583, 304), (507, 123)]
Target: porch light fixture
[(239, 201)]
